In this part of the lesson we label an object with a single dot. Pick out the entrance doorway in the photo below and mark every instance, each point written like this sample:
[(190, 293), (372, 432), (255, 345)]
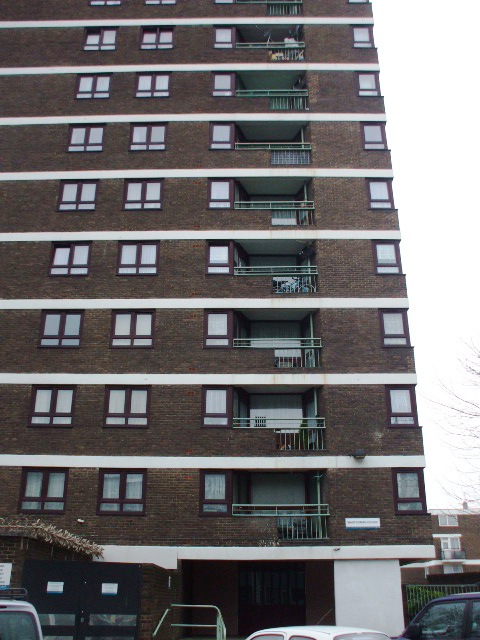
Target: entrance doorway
[(85, 600)]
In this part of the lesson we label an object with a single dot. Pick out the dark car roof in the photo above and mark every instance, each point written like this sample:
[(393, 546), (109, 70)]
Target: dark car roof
[(473, 595)]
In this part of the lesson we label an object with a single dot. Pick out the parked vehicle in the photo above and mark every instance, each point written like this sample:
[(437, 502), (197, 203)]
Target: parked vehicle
[(317, 632), (454, 617), (18, 619)]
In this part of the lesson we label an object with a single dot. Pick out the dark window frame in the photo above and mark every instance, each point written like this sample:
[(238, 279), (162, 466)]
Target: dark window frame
[(52, 413), (43, 498), (368, 93), (224, 93), (228, 415), (375, 146), (152, 92), (360, 44), (392, 416), (421, 500), (121, 500), (60, 336), (228, 494), (222, 204), (90, 95), (228, 337), (138, 254), (222, 45), (157, 45), (394, 265), (105, 3), (87, 145), (101, 31), (142, 202), (210, 265), (386, 205), (127, 411), (148, 145), (401, 336), (133, 327), (70, 266), (222, 145), (78, 204)]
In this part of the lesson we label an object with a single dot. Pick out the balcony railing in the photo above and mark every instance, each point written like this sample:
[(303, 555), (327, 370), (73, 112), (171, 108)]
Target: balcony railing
[(284, 213), (290, 434), (294, 153), (280, 99), (294, 521), (276, 8), (292, 51), (290, 353), (291, 279), (453, 554)]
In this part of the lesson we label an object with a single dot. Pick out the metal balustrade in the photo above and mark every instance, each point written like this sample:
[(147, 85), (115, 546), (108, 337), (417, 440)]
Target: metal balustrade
[(274, 146), (289, 353), (453, 554), (289, 434), (284, 212), (291, 51), (276, 8), (289, 279), (294, 521), (279, 99)]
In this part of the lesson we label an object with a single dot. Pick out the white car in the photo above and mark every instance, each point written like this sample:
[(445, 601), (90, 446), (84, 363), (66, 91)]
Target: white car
[(18, 620), (317, 632)]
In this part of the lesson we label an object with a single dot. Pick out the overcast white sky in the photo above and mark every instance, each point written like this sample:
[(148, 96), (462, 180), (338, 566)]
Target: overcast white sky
[(429, 61)]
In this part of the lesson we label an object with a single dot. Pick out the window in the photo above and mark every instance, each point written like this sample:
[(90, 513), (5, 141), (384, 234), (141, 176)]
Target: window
[(223, 84), (132, 329), (70, 259), (156, 38), (394, 328), (218, 328), (402, 407), (222, 136), (445, 520), (374, 136), (215, 492), (387, 257), (217, 407), (224, 38), (380, 194), (77, 196), (105, 3), (93, 86), (368, 84), (100, 39), (89, 138), (126, 406), (61, 328), (452, 543), (452, 568), (160, 1), (143, 194), (409, 491), (220, 194), (363, 37), (153, 85), (219, 258), (43, 490), (137, 258), (122, 492), (52, 406), (148, 137), (359, 1)]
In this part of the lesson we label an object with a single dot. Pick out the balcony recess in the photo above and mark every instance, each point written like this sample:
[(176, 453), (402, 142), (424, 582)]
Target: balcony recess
[(294, 521)]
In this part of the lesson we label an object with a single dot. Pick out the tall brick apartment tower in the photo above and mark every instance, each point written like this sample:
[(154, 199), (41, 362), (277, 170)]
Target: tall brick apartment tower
[(206, 367)]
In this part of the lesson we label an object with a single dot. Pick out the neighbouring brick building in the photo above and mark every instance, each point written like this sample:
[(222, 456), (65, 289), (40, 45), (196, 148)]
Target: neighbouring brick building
[(206, 367)]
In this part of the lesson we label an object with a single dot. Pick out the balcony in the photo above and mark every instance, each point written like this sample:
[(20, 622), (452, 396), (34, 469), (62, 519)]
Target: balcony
[(453, 554), (285, 279), (289, 353), (279, 99), (289, 434), (294, 521), (297, 213), (282, 153), (289, 51), (275, 8)]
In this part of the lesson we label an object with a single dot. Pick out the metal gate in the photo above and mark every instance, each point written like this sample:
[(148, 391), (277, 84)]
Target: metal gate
[(85, 600)]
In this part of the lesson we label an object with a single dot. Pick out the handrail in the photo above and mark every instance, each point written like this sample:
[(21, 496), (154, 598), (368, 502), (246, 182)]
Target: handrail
[(275, 270), (279, 343), (275, 510), (269, 2), (271, 93), (275, 146), (262, 422), (274, 204), (270, 45), (221, 632)]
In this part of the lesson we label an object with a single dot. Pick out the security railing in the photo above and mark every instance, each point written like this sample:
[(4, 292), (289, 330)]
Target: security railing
[(453, 554), (290, 434), (279, 99), (294, 521), (294, 153), (276, 8), (284, 213), (288, 51), (291, 279), (289, 353)]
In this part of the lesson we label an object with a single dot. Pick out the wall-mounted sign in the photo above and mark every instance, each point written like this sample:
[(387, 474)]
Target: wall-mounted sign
[(55, 587), (5, 574), (109, 588), (362, 523)]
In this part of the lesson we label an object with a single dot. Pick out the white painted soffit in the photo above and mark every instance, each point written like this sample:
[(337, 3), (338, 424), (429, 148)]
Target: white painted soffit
[(211, 462), (181, 22)]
